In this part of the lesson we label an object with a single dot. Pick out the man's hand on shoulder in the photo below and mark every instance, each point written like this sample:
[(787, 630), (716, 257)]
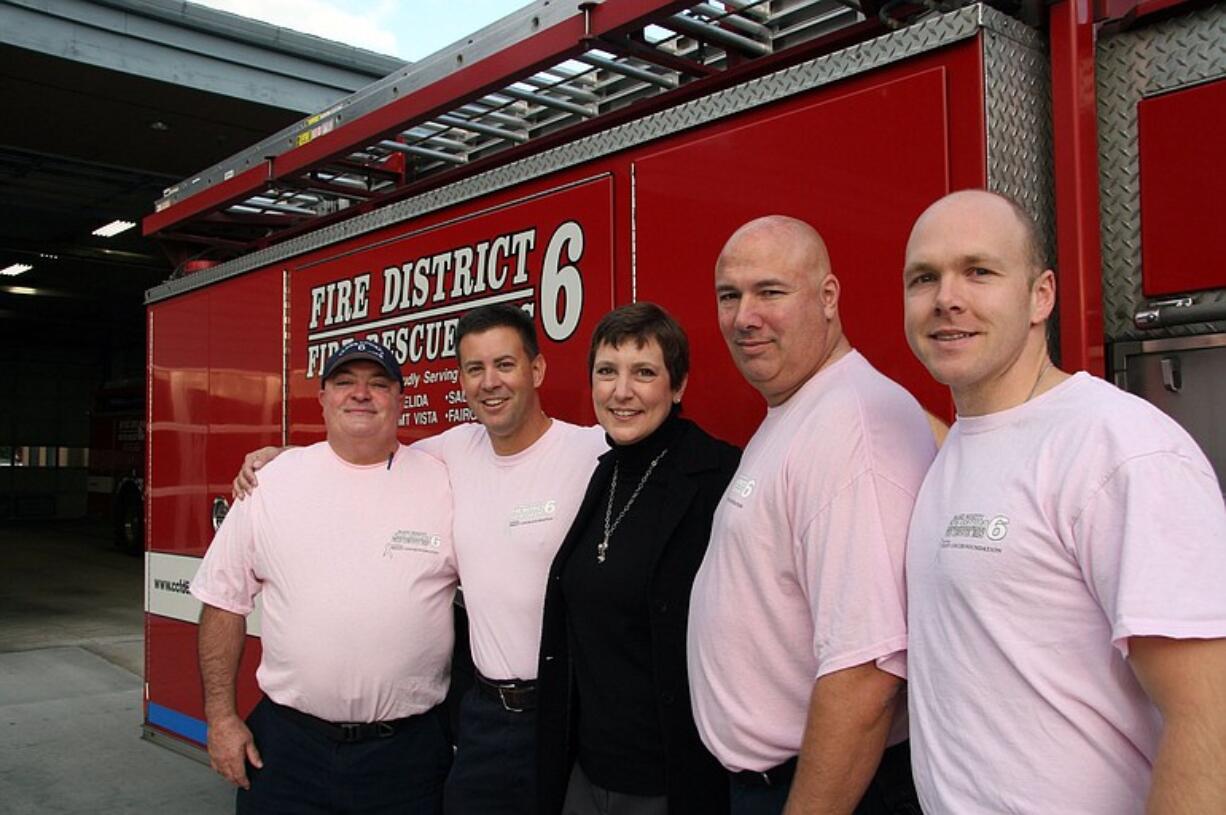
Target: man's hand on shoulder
[(230, 742), (245, 482)]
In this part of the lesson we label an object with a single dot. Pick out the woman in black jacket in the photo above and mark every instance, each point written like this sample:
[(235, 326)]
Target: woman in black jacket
[(614, 716)]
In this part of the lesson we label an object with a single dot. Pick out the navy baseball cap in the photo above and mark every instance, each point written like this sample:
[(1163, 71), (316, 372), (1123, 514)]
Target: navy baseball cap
[(363, 349)]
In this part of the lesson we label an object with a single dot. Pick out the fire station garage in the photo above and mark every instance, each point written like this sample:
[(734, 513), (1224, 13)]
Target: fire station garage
[(106, 105), (197, 209)]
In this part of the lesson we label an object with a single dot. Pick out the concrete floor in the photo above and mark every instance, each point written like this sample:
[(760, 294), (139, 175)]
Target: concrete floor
[(71, 665)]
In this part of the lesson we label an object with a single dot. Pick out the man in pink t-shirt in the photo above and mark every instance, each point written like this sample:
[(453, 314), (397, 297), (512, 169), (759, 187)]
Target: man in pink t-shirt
[(1066, 562), (348, 543), (797, 630), (518, 478)]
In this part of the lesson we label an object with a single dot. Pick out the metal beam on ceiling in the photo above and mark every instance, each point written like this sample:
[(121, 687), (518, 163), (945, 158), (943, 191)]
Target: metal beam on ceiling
[(194, 47)]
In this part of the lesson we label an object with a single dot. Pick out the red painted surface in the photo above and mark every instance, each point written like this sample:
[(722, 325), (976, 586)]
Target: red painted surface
[(216, 393), (176, 489), (224, 193), (245, 366), (771, 165), (215, 380), (1075, 146), (170, 668), (1183, 189), (1133, 10)]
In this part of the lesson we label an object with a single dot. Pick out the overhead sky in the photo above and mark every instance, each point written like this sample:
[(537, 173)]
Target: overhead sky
[(409, 29)]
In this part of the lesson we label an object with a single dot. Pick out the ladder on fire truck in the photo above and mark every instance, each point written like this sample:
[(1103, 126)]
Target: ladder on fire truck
[(545, 75)]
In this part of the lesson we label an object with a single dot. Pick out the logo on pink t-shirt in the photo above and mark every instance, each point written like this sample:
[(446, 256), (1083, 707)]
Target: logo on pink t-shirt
[(742, 487), (972, 527), (533, 513), (406, 540)]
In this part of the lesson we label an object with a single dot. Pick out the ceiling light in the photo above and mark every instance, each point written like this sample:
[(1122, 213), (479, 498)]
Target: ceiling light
[(159, 126), (20, 290), (113, 228), (48, 256), (14, 269)]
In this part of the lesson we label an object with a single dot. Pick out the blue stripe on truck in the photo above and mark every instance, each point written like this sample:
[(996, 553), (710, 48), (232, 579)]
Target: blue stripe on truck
[(178, 723)]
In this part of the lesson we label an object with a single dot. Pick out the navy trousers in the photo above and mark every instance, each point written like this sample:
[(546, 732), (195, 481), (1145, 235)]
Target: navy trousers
[(891, 792), (495, 761), (306, 773)]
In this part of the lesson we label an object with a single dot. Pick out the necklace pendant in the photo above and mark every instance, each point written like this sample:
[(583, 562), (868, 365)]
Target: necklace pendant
[(601, 549)]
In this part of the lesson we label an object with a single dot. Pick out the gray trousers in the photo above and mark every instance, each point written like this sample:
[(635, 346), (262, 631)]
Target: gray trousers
[(585, 798)]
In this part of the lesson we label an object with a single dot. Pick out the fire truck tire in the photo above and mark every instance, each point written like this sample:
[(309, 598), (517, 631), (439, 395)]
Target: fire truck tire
[(130, 522)]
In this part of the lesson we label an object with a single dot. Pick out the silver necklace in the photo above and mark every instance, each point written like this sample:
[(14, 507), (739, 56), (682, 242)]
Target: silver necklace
[(610, 523), (1037, 380)]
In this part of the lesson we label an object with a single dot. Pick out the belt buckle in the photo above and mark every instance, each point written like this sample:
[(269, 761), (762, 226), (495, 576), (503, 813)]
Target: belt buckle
[(350, 731), (502, 697), (383, 730)]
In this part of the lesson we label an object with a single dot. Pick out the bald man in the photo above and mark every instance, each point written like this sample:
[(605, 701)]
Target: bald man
[(797, 631), (1067, 557)]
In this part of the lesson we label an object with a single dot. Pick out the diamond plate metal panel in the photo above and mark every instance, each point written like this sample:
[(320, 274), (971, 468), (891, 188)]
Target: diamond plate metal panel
[(1019, 139), (933, 32), (1131, 65), (1019, 123)]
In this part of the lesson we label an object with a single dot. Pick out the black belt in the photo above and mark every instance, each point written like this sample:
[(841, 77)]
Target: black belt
[(345, 732), (515, 695), (774, 777)]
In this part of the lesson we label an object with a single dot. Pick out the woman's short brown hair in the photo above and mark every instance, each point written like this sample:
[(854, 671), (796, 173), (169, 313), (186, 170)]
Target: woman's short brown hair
[(642, 322)]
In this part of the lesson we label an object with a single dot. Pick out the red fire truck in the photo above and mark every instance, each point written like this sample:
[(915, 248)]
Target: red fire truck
[(117, 462), (576, 156)]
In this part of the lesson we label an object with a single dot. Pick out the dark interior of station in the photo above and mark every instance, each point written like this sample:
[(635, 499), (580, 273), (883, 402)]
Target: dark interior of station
[(81, 145)]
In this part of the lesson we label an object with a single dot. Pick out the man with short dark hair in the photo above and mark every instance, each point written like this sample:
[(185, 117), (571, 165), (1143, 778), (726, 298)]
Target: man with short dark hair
[(1066, 558), (519, 477), (348, 542), (797, 630)]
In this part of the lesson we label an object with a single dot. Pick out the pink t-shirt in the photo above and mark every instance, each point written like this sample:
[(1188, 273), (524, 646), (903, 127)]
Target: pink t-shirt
[(1044, 536), (804, 574), (511, 514), (357, 574)]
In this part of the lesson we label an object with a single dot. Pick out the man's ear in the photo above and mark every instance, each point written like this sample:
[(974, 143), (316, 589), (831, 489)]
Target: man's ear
[(538, 370), (1042, 297), (829, 294)]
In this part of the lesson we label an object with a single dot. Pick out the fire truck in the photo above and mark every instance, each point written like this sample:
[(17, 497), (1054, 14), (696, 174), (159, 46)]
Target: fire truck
[(577, 156), (117, 462)]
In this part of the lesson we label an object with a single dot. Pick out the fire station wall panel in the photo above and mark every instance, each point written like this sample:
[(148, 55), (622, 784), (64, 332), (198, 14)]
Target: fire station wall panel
[(859, 161), (1183, 189), (549, 252)]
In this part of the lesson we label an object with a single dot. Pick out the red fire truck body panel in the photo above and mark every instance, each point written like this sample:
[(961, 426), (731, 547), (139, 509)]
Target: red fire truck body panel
[(1182, 178), (858, 143), (550, 252)]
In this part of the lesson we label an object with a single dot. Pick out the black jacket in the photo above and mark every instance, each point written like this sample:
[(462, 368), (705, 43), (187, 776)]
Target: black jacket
[(695, 474)]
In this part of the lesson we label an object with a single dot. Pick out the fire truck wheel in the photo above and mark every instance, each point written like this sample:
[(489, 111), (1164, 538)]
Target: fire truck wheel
[(130, 523)]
